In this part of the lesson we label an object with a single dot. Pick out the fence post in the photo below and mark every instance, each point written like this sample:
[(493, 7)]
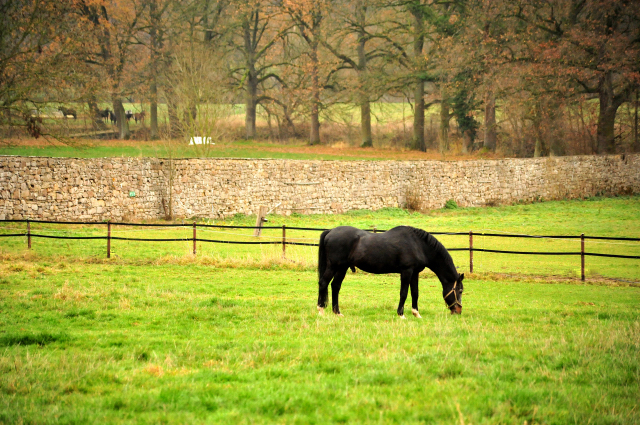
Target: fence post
[(28, 234), (582, 257), (470, 251), (284, 240), (109, 239), (194, 238)]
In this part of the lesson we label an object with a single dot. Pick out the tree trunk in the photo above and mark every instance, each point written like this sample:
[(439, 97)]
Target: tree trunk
[(467, 142), (418, 113), (365, 106), (251, 82), (490, 134), (172, 110), (636, 142), (153, 112), (153, 73), (445, 117), (121, 120), (365, 124), (314, 133), (418, 117), (94, 112), (251, 107), (609, 104), (540, 148)]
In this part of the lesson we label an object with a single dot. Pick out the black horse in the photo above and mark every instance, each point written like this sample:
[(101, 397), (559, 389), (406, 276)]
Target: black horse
[(104, 115), (405, 250)]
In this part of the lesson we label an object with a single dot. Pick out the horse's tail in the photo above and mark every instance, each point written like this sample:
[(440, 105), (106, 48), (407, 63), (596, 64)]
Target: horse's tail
[(322, 255)]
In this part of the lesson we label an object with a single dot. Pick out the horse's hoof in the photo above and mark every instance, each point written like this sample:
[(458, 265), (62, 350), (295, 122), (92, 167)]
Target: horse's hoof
[(339, 314), (320, 310), (402, 317), (416, 313)]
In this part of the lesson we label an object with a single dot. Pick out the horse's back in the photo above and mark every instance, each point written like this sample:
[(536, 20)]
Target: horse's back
[(387, 252), (340, 242), (344, 235)]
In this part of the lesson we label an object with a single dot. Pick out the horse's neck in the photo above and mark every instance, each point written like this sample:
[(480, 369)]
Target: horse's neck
[(442, 266)]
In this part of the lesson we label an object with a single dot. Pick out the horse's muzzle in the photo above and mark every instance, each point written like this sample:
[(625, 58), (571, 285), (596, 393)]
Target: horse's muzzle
[(456, 309)]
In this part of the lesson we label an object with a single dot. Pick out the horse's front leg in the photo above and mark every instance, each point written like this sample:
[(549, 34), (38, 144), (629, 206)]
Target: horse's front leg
[(405, 280), (414, 294), (336, 284)]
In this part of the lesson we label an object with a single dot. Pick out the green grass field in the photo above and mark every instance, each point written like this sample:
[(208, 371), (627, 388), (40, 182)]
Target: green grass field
[(610, 217), (154, 335), (144, 149)]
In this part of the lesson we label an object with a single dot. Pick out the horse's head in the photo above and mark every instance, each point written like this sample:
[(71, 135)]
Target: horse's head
[(453, 298)]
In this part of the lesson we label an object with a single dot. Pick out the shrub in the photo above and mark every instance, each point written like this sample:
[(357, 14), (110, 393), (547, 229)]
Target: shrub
[(450, 205)]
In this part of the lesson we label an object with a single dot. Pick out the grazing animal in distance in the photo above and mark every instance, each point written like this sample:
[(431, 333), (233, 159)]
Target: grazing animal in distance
[(128, 115), (404, 250), (104, 115), (139, 116), (68, 112), (112, 117)]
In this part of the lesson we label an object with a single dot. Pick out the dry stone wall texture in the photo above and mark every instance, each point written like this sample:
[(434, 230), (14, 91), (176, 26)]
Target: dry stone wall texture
[(125, 189)]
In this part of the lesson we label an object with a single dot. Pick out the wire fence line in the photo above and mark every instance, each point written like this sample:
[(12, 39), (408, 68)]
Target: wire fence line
[(283, 240)]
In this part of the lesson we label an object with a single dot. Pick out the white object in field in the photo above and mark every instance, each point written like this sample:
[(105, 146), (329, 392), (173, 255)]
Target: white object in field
[(201, 141)]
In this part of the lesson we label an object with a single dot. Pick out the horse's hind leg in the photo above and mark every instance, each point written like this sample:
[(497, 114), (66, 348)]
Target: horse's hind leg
[(405, 280), (414, 294), (323, 291), (335, 289)]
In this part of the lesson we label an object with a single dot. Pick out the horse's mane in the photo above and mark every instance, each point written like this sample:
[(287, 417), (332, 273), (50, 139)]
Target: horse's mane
[(434, 244)]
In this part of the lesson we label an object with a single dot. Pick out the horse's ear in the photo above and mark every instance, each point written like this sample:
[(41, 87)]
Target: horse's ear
[(461, 277)]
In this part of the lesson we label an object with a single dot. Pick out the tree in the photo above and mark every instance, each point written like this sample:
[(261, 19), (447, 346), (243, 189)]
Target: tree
[(34, 60), (416, 32), (594, 45), (308, 17), (255, 34), (463, 104), (114, 26), (355, 41)]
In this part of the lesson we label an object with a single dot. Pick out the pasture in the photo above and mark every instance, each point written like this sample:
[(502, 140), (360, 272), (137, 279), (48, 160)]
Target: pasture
[(154, 335), (84, 148)]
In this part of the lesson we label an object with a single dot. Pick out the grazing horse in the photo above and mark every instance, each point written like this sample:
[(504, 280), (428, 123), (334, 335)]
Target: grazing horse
[(68, 111), (128, 115), (104, 115), (405, 250), (112, 117), (139, 116)]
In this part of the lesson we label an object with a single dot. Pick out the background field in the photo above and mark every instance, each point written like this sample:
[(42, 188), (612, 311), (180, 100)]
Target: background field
[(341, 137), (155, 335)]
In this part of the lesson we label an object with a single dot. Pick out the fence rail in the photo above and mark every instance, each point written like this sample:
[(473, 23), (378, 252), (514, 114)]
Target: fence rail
[(283, 242)]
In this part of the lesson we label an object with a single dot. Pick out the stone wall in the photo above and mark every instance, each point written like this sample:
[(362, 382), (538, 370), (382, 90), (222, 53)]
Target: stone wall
[(125, 189)]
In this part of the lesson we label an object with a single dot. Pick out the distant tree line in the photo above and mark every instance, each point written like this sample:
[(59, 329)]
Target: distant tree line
[(530, 77)]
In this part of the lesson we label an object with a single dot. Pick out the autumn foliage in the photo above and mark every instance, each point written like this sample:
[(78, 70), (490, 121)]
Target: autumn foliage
[(524, 77)]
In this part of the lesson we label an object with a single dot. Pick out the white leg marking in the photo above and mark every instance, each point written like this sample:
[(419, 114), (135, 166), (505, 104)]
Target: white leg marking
[(320, 310), (402, 317), (416, 313)]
